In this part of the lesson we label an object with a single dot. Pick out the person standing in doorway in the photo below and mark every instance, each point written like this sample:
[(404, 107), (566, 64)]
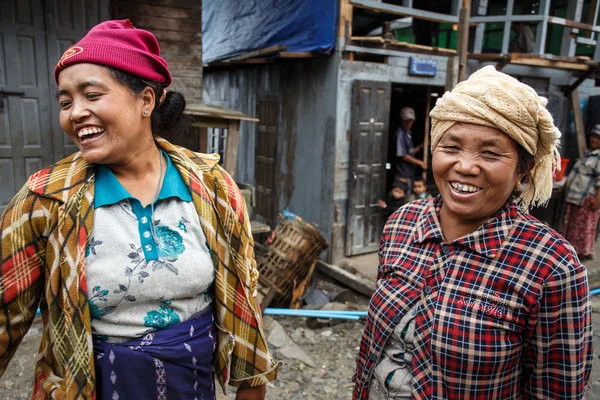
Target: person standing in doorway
[(406, 162)]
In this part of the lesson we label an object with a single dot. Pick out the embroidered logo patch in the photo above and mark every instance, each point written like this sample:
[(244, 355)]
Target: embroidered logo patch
[(490, 303), (71, 51)]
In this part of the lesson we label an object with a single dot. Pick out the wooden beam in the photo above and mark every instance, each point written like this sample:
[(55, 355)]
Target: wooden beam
[(386, 29), (550, 64), (462, 43), (426, 133), (419, 47), (502, 18), (379, 6), (584, 75), (345, 20), (231, 147), (251, 61), (451, 73), (267, 51), (300, 289), (374, 47), (299, 54), (370, 39), (573, 24), (500, 66), (578, 120), (535, 60), (361, 285)]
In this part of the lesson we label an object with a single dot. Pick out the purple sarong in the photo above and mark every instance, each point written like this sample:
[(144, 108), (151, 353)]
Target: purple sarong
[(172, 363)]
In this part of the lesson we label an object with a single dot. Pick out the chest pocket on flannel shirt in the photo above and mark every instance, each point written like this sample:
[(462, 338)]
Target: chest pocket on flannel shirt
[(479, 331)]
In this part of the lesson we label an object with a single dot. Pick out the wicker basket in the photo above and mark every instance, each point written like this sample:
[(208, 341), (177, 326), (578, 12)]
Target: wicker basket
[(293, 247)]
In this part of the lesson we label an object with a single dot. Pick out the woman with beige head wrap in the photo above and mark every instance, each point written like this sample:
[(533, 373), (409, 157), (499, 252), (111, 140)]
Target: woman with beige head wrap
[(476, 298)]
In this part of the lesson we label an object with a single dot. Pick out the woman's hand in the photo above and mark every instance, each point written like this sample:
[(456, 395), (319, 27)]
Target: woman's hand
[(382, 204), (252, 393)]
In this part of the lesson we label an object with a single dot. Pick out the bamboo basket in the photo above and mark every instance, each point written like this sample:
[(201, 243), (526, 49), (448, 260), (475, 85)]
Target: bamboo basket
[(292, 248)]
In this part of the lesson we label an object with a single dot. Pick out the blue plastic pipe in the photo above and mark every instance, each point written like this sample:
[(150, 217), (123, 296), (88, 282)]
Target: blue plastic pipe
[(351, 315)]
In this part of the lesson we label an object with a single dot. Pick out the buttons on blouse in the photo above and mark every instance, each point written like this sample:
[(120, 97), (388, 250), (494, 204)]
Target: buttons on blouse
[(144, 220), (148, 247), (147, 234), (373, 357), (396, 319), (445, 250), (428, 290)]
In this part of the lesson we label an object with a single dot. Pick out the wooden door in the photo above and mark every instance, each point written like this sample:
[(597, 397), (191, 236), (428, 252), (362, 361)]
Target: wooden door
[(368, 153), (66, 23), (266, 161), (25, 137)]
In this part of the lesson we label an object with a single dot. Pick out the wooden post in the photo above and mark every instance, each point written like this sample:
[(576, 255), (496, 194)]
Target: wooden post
[(592, 15), (345, 21), (462, 43), (386, 29), (578, 121), (231, 147), (427, 127)]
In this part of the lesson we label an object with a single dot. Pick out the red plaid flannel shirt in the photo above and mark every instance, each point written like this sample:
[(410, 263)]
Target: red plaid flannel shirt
[(506, 311)]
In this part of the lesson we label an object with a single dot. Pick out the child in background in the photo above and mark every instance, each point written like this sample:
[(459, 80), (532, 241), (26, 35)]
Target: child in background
[(419, 189), (395, 199)]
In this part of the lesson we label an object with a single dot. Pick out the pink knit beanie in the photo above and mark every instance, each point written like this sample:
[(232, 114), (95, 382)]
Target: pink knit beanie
[(118, 44)]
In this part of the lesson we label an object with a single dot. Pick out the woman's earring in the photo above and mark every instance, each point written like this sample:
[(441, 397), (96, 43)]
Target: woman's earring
[(145, 112)]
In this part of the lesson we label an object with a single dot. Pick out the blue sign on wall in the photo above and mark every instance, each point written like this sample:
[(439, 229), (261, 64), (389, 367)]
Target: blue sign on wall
[(422, 67)]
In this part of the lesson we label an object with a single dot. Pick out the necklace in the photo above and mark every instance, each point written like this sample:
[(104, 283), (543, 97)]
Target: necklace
[(160, 179)]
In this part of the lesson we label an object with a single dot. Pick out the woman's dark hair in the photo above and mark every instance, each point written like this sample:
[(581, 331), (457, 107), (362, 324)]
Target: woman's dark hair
[(523, 160), (168, 116)]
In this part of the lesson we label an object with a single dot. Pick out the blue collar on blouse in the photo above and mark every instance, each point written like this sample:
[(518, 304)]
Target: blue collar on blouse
[(109, 190)]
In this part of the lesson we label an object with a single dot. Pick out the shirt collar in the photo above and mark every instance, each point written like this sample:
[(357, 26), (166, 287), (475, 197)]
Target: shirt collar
[(109, 190), (486, 239)]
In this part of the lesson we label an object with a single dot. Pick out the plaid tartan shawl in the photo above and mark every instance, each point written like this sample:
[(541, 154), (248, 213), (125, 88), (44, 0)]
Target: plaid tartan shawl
[(44, 232)]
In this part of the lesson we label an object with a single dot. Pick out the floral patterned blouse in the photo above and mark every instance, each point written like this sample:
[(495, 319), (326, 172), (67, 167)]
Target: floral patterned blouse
[(136, 285)]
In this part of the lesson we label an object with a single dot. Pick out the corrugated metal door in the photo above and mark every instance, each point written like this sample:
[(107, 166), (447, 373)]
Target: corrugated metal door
[(266, 160), (25, 140), (368, 152)]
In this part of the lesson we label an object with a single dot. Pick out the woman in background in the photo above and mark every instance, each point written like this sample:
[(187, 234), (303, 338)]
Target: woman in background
[(583, 200)]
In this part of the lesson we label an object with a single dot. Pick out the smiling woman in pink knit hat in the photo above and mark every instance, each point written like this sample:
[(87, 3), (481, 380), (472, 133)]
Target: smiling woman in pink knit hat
[(475, 298), (137, 252)]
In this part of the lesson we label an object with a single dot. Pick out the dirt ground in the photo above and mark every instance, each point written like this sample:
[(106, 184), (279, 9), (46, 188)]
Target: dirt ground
[(331, 349)]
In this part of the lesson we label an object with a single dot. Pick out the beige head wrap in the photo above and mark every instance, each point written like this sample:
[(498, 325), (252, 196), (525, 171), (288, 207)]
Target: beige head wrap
[(492, 98)]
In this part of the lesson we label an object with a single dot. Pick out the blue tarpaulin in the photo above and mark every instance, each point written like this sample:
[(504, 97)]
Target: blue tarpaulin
[(234, 27)]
